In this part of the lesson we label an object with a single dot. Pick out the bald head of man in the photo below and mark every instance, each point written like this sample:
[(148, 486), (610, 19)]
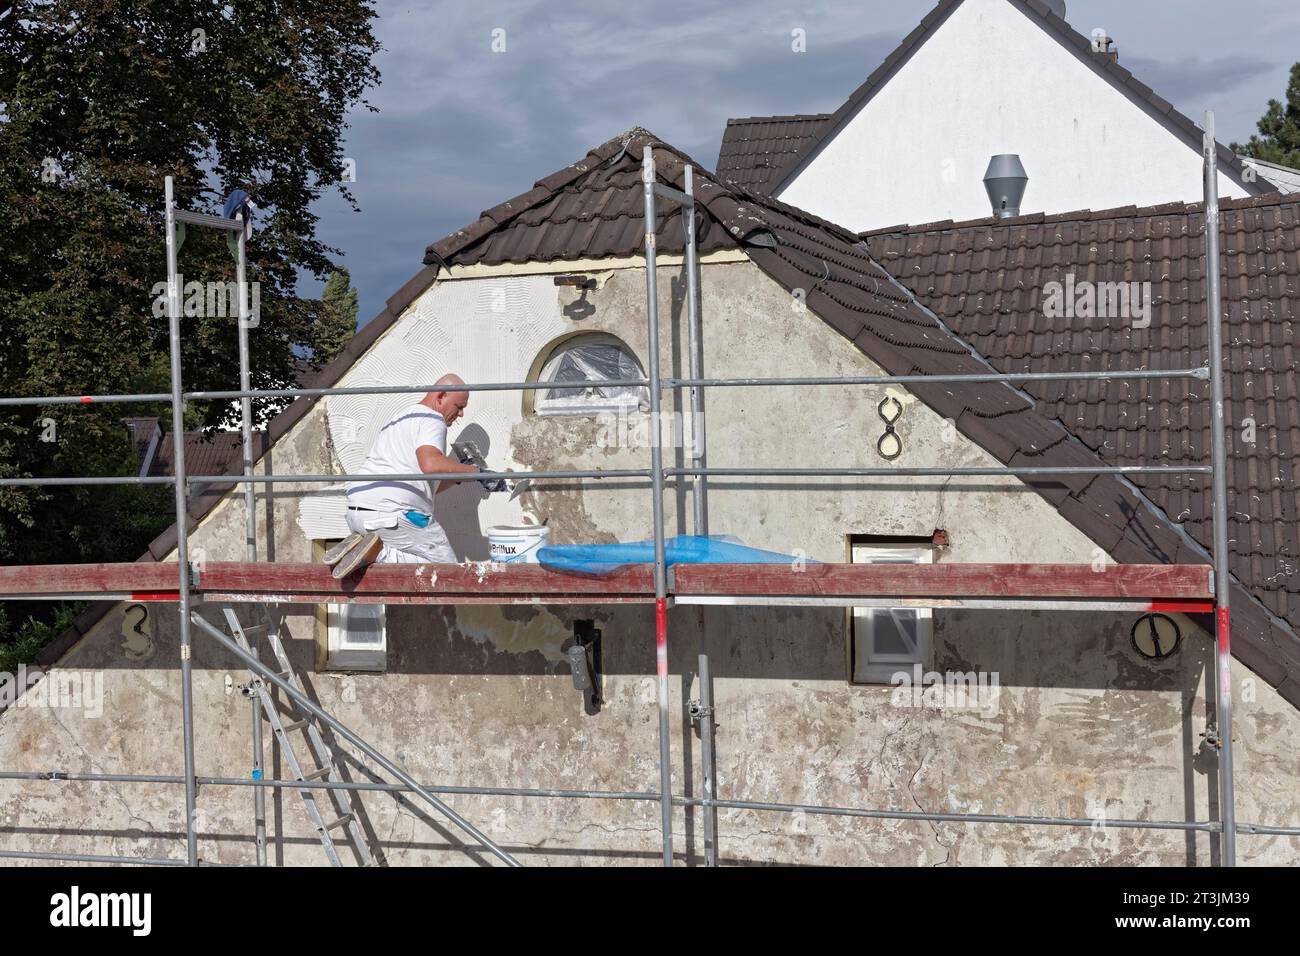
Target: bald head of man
[(444, 400)]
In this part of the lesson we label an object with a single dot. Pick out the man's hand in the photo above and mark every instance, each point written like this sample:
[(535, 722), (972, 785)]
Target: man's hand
[(494, 484), (433, 462), (469, 454)]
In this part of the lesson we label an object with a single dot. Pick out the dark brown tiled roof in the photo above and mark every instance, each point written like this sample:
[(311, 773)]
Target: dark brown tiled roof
[(591, 209), (205, 454), (986, 279), (756, 148), (1058, 28), (849, 289)]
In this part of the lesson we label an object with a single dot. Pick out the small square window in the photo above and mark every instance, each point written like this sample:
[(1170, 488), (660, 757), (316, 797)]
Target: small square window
[(886, 640), (357, 637)]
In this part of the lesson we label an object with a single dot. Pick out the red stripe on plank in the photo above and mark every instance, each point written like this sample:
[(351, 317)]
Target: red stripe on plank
[(661, 636), (155, 595), (1184, 607)]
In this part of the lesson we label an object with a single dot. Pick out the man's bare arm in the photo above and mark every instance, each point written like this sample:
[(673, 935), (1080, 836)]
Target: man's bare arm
[(433, 462)]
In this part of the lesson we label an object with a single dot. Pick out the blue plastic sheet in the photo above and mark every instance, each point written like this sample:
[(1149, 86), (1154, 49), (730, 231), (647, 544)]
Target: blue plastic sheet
[(684, 549)]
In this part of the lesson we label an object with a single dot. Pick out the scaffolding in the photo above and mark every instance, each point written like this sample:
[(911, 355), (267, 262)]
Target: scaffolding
[(1185, 588)]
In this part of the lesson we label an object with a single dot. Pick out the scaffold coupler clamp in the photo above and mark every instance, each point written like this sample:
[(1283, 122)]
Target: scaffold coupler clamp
[(696, 710), (1210, 739)]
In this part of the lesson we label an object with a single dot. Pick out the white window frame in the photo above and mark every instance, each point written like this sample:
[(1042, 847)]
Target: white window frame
[(867, 667), (345, 654), (584, 405)]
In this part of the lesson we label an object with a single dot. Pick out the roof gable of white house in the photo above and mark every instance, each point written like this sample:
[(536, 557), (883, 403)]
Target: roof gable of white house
[(993, 77)]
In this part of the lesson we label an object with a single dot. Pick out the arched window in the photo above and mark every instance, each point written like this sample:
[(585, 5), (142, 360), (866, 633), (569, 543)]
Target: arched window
[(584, 362)]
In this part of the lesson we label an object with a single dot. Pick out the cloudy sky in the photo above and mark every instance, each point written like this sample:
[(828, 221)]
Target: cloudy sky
[(460, 127)]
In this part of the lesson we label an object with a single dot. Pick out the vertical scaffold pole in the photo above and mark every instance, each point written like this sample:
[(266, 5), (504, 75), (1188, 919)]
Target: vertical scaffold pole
[(709, 761), (700, 492), (250, 526), (1219, 464), (246, 403), (657, 484), (182, 531), (259, 801)]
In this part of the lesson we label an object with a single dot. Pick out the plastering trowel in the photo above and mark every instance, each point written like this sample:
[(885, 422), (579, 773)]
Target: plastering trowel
[(467, 453)]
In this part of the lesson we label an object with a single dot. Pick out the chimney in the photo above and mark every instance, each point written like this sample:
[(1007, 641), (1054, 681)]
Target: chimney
[(1104, 45), (1005, 182), (1057, 7)]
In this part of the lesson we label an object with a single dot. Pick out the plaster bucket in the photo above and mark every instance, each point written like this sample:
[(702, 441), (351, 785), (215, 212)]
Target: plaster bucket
[(517, 543)]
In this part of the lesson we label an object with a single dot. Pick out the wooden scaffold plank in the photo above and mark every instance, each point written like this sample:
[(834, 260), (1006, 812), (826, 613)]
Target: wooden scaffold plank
[(1115, 586)]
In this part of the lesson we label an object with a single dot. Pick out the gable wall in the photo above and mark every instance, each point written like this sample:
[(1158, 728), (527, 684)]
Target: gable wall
[(479, 696), (991, 80)]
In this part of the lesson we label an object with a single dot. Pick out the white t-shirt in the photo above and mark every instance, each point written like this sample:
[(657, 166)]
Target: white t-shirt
[(393, 453)]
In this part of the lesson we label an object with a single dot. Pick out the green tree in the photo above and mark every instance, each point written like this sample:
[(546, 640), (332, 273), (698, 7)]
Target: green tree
[(1279, 129), (99, 101), (338, 317), (28, 636)]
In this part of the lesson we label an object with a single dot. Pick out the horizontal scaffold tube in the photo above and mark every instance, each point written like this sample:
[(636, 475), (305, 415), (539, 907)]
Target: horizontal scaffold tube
[(225, 395), (970, 377), (90, 858), (639, 473), (1208, 826), (860, 380), (944, 472), (939, 817), (334, 479), (68, 776)]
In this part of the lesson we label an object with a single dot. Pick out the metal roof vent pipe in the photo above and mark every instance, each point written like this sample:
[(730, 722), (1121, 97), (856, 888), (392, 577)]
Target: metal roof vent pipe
[(1005, 182)]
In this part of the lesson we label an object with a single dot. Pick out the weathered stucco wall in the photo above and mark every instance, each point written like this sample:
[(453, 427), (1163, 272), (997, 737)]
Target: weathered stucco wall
[(1082, 727)]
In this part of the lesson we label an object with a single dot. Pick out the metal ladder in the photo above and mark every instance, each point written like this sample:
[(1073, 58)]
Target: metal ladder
[(343, 817)]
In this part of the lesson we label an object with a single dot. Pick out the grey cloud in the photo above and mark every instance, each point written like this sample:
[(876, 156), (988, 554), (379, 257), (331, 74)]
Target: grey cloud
[(461, 128), (1191, 79)]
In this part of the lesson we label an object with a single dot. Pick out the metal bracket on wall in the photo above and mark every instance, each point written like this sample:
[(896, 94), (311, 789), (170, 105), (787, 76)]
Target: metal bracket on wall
[(579, 308), (577, 281), (890, 445), (585, 664)]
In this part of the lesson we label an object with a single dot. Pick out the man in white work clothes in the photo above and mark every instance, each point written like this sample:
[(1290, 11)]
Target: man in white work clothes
[(393, 520)]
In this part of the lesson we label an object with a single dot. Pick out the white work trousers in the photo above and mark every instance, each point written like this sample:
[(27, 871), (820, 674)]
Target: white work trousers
[(404, 542)]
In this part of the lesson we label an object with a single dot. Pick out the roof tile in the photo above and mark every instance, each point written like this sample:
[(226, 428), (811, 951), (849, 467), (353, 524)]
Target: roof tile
[(1149, 421)]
